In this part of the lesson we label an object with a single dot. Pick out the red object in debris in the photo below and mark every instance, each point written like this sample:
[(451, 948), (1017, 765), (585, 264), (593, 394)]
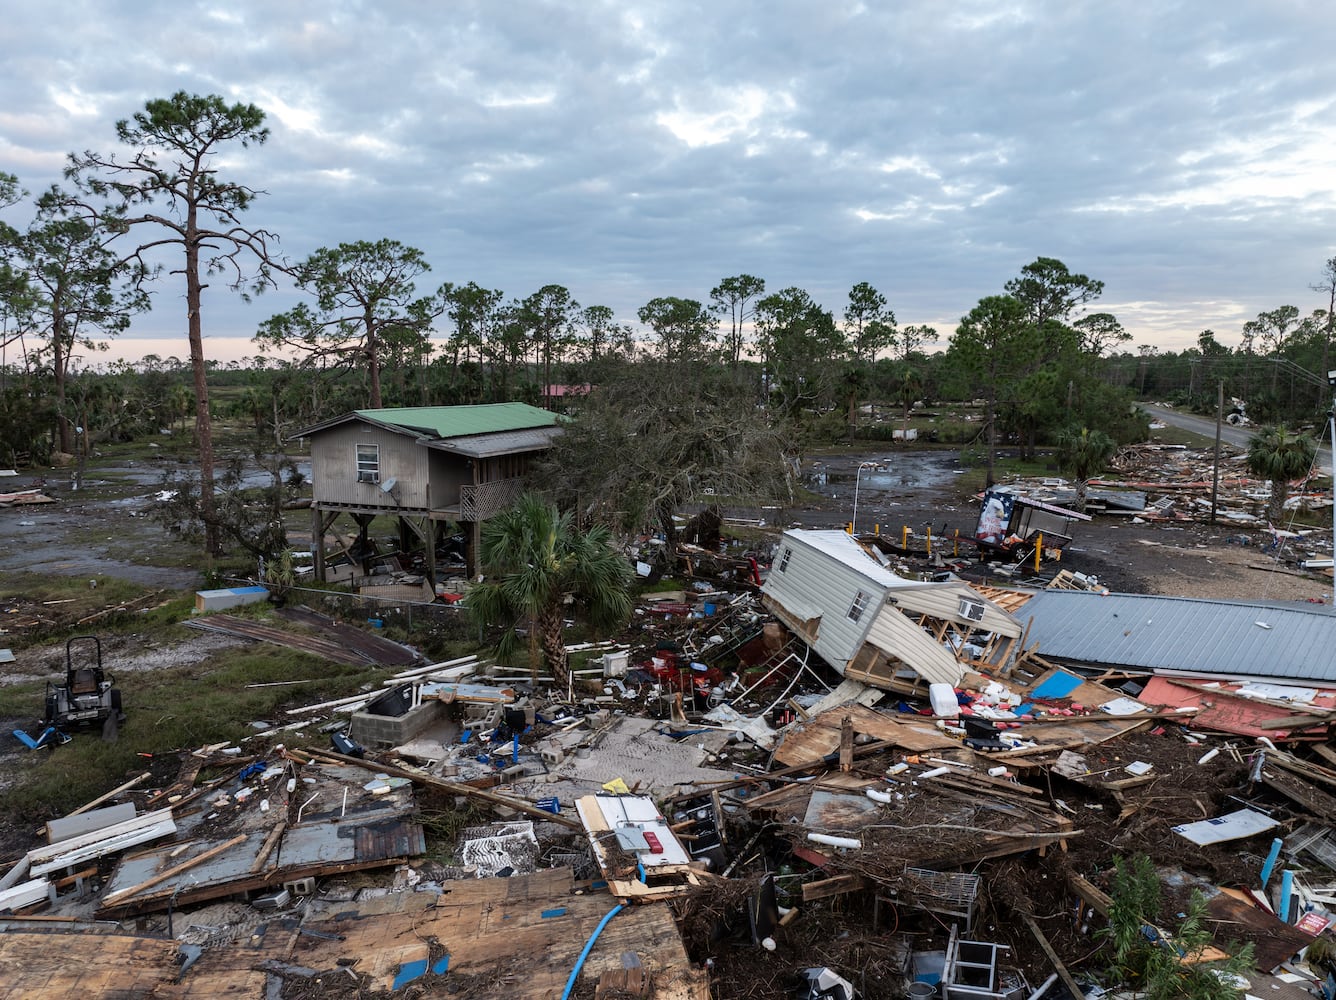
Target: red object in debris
[(679, 676), (653, 840), (669, 609)]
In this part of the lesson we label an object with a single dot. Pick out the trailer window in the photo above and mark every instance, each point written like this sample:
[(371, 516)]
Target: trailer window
[(368, 463), (859, 606)]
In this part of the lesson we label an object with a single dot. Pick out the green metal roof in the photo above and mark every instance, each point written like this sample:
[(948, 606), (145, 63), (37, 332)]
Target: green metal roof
[(458, 421)]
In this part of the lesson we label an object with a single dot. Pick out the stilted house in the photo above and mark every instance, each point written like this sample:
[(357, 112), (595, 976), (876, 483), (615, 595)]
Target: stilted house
[(429, 467), (877, 627)]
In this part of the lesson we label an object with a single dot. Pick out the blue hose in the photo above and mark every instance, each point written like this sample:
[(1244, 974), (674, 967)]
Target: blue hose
[(589, 946)]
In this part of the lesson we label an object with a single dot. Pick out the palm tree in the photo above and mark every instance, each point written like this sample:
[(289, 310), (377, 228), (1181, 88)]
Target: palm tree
[(1280, 455), (533, 560), (1084, 453)]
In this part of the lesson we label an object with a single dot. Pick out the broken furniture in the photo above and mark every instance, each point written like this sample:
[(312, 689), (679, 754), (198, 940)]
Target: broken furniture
[(972, 972)]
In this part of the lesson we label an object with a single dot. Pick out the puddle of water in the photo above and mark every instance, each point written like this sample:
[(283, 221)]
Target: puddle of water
[(893, 472)]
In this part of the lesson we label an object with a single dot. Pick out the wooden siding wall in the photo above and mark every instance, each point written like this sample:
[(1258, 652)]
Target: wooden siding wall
[(334, 468), (816, 580)]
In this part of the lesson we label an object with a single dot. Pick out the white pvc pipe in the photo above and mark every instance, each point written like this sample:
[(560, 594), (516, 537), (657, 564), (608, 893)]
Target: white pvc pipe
[(1043, 987), (825, 838), (876, 796), (935, 773)]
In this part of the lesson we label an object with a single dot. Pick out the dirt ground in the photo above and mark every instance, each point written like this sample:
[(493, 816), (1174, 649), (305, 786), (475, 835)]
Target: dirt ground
[(1181, 559)]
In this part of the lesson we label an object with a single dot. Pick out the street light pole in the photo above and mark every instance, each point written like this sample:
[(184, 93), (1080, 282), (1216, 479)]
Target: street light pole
[(853, 527)]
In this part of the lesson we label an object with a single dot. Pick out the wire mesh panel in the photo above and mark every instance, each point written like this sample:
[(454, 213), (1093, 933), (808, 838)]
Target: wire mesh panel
[(948, 893)]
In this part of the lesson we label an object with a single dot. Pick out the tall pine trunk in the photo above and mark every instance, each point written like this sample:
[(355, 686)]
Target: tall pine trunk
[(203, 420)]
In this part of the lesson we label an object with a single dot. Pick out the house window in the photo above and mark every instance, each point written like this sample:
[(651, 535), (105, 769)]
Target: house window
[(859, 606), (368, 463), (784, 559)]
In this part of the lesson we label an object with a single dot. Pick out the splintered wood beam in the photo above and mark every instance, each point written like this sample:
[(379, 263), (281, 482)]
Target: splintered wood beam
[(1094, 897), (1058, 967), (268, 847), (847, 743), (134, 890), (519, 805), (111, 794), (839, 885)]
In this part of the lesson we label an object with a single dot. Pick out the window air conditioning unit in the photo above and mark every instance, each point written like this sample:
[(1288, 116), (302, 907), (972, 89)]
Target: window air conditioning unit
[(971, 611), (368, 477)]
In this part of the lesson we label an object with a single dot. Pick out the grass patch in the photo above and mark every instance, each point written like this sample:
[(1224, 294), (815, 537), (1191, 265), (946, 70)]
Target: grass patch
[(46, 588), (172, 710)]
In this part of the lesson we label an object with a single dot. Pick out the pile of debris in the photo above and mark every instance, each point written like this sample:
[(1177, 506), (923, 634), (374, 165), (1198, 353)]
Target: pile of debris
[(853, 784)]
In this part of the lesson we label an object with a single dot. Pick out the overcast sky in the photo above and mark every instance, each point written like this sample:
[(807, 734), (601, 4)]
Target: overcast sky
[(1182, 153)]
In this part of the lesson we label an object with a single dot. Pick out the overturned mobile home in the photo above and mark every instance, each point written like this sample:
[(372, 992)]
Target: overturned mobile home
[(880, 628)]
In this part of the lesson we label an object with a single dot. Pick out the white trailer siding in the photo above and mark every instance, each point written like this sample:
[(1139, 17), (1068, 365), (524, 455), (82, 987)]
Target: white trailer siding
[(818, 575), (816, 582), (943, 601)]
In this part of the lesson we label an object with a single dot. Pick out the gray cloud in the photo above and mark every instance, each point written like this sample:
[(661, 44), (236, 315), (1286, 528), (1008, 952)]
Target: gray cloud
[(1182, 154)]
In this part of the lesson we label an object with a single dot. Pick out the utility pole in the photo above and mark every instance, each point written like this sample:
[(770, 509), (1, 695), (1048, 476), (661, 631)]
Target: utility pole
[(1331, 426), (1219, 419)]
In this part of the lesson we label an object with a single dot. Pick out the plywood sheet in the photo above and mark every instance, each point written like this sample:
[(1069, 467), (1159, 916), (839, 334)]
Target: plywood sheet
[(37, 966), (820, 736)]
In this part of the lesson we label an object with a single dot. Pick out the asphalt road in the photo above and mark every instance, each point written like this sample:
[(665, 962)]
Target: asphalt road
[(1239, 437)]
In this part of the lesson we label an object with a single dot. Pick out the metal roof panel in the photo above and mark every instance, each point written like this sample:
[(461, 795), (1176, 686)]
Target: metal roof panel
[(1190, 635)]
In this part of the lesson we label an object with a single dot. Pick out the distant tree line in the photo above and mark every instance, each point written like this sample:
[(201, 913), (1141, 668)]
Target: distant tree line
[(743, 378)]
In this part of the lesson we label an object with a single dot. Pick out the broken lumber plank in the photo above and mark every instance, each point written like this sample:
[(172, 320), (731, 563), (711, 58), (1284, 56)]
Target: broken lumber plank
[(519, 805), (1058, 967), (267, 848), (1094, 897), (112, 794), (134, 890), (837, 885)]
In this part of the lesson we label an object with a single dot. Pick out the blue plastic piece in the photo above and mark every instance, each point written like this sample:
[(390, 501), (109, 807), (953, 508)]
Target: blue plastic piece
[(1272, 857), (1060, 685), (442, 965), (410, 971), (250, 770), (560, 911), (589, 945), (48, 735)]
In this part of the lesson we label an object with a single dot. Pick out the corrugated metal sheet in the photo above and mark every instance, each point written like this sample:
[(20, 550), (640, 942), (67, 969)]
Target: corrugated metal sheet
[(498, 443), (459, 421), (1186, 635)]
